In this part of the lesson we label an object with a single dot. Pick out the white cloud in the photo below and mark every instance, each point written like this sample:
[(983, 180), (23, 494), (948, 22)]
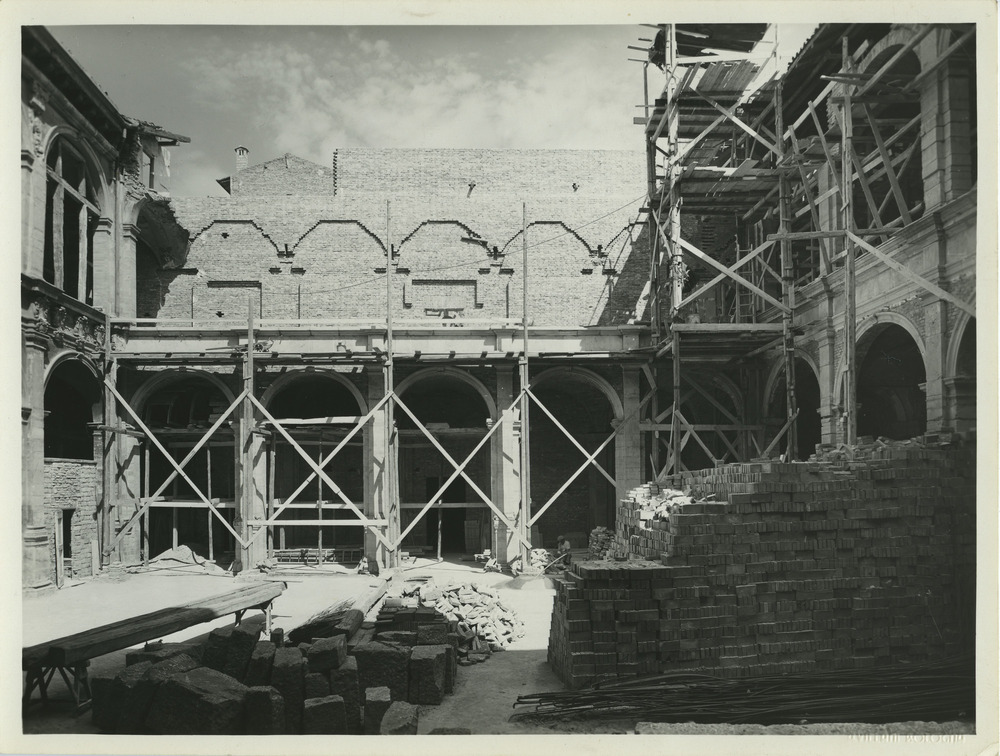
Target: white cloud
[(368, 92)]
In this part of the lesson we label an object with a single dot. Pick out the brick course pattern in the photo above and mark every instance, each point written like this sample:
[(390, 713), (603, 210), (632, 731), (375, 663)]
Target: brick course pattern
[(72, 484), (799, 566)]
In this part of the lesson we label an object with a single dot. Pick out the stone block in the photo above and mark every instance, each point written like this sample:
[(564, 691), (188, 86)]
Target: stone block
[(317, 685), (242, 640), (127, 709), (327, 653), (217, 648), (278, 637), (399, 637), (135, 706), (401, 718), (324, 716), (288, 676), (377, 702), (261, 660), (265, 711), (450, 668), (382, 664), (157, 652), (427, 674), (344, 683), (432, 634), (102, 708), (450, 731), (201, 701)]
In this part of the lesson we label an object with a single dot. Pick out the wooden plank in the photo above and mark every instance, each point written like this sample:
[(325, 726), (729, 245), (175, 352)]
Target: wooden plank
[(472, 484), (89, 644), (647, 426), (569, 435), (730, 114), (326, 523), (721, 277), (179, 468), (730, 273), (915, 277), (434, 499), (726, 327), (334, 420), (897, 191), (326, 460), (319, 471)]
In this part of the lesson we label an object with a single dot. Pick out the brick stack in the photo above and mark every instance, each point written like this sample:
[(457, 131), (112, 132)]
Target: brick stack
[(798, 566)]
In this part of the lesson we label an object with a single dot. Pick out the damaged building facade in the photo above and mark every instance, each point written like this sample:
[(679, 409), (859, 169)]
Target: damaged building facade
[(482, 348)]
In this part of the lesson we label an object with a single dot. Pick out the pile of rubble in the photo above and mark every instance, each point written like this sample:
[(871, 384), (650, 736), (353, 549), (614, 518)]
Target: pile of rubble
[(481, 622), (360, 678)]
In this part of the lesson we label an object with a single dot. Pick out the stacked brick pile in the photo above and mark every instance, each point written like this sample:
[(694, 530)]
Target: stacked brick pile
[(826, 564), (602, 543), (371, 682)]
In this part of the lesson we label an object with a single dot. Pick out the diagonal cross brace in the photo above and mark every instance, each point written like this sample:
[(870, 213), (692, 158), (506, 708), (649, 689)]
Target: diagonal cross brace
[(915, 277), (178, 468), (329, 458), (472, 484), (569, 435), (589, 461), (722, 276), (322, 474), (458, 471)]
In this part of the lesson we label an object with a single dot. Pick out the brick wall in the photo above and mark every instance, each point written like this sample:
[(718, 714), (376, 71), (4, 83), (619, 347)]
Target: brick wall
[(327, 250), (284, 175), (72, 484), (770, 568)]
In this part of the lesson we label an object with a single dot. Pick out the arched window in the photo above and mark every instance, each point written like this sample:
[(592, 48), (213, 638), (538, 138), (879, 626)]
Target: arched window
[(71, 215)]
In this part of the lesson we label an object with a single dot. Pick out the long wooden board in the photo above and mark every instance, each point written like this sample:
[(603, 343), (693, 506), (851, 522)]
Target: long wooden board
[(115, 636)]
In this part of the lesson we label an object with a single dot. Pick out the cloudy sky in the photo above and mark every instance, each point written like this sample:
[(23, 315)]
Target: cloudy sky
[(309, 90)]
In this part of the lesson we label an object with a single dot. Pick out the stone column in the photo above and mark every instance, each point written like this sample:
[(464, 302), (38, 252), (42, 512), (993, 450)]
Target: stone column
[(628, 442), (124, 279), (506, 465), (37, 567), (935, 323), (374, 462), (104, 265), (829, 402)]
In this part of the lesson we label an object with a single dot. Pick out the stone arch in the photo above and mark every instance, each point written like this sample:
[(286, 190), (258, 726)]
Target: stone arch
[(957, 345), (778, 368), (286, 379), (73, 400), (590, 377), (452, 372), (164, 379), (105, 199)]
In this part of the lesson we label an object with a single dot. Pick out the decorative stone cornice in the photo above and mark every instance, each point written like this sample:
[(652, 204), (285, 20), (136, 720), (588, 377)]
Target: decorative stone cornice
[(49, 315)]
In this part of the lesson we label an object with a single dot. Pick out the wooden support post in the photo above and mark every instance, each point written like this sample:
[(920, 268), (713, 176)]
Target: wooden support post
[(244, 505), (787, 277), (208, 493), (440, 513), (524, 513), (850, 309), (392, 513), (174, 539), (145, 517), (269, 509), (675, 428), (109, 445)]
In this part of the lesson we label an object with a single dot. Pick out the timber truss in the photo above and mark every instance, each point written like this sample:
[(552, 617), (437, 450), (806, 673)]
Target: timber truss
[(721, 145)]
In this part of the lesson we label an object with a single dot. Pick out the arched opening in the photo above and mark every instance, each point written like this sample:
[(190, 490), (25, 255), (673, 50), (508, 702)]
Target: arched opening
[(890, 396), (807, 426), (322, 410), (71, 478), (589, 501), (455, 411), (178, 412), (71, 215), (71, 396)]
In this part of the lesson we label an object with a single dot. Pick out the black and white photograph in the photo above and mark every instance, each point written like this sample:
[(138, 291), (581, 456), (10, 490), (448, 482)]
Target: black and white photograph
[(572, 372)]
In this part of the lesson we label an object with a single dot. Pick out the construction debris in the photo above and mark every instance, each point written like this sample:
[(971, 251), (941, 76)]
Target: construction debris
[(482, 622)]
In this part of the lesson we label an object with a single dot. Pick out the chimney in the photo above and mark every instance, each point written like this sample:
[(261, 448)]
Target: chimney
[(242, 158)]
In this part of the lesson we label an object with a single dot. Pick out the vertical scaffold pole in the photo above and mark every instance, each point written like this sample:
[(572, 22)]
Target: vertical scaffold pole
[(850, 303), (391, 514), (524, 516), (787, 269), (244, 508)]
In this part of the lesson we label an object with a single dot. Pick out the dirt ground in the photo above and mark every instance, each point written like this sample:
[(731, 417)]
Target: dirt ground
[(484, 696)]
